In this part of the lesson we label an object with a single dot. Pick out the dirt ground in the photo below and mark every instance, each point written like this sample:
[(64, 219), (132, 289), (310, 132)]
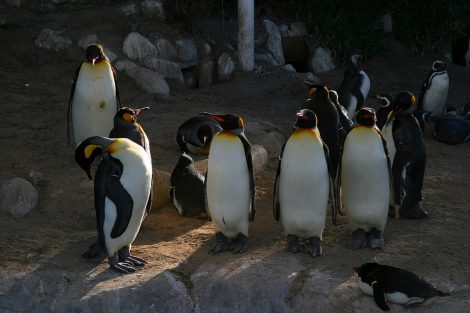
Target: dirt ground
[(35, 86)]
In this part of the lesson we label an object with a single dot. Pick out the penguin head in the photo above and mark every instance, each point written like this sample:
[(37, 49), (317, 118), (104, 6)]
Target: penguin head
[(185, 160), (366, 268), (439, 65), (404, 103), (205, 134), (312, 86), (228, 122), (306, 118), (384, 99), (333, 95), (366, 117), (356, 57), (128, 115), (95, 53), (90, 148)]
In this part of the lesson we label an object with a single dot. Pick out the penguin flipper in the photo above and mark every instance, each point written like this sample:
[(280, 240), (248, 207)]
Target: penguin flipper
[(337, 179), (333, 193), (69, 108), (276, 203), (389, 165), (205, 197), (124, 205), (181, 143), (424, 88), (379, 296), (249, 162), (356, 92), (118, 98)]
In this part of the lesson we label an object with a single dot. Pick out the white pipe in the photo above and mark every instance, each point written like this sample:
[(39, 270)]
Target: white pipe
[(246, 34)]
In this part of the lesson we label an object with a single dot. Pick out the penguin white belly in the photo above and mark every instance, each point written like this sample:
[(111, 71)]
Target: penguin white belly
[(177, 205), (393, 297), (436, 96), (365, 180), (352, 107), (303, 187), (365, 86), (136, 179), (94, 102), (228, 185), (387, 132)]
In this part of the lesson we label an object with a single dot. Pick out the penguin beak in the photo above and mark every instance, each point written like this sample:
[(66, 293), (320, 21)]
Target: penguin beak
[(138, 111), (93, 61)]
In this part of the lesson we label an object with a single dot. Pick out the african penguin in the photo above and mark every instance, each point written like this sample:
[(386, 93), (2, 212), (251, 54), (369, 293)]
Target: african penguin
[(345, 122), (391, 284), (385, 100), (304, 181), (230, 185), (122, 190), (328, 121), (408, 154), (195, 135), (94, 97), (451, 129), (187, 188), (433, 95), (355, 86), (364, 181), (125, 126)]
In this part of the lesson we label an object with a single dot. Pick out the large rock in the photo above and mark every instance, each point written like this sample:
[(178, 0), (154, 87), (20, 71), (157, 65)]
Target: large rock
[(165, 49), (321, 60), (165, 68), (124, 65), (264, 56), (264, 134), (225, 66), (150, 81), (206, 68), (260, 158), (187, 51), (153, 8), (87, 40), (137, 47), (52, 40), (161, 188), (19, 197), (273, 42)]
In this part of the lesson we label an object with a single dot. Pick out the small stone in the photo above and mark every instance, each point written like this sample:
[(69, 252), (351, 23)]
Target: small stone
[(225, 66), (187, 51), (19, 197), (289, 68), (51, 40), (36, 178)]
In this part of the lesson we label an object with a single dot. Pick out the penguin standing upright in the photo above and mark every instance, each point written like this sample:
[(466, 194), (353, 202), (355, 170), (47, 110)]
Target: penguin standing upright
[(328, 121), (94, 98), (230, 185), (344, 120), (355, 86), (391, 284), (385, 100), (122, 191), (408, 154), (125, 126), (187, 188), (364, 179), (451, 129), (195, 135), (304, 181), (433, 95)]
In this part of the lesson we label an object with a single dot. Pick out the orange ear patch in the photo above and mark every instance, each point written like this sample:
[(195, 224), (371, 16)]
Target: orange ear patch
[(128, 118), (312, 90)]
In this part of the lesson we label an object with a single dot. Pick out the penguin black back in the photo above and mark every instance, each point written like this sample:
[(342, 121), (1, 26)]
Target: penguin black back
[(195, 134)]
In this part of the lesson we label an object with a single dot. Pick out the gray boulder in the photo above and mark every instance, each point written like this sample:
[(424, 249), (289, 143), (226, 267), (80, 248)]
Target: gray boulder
[(87, 40), (265, 134), (153, 8), (19, 197), (289, 68), (161, 188), (165, 50), (124, 65), (297, 29), (187, 51), (206, 68), (150, 81), (138, 47), (260, 158), (225, 66), (130, 9), (273, 42), (321, 60), (52, 40), (165, 68)]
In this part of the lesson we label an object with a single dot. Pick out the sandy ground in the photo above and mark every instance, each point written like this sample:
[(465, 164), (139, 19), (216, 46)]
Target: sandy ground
[(35, 86)]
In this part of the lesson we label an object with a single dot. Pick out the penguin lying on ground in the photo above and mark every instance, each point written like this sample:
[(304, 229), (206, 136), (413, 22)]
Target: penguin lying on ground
[(230, 185), (195, 135), (328, 121), (364, 181), (122, 190), (408, 154), (355, 86), (385, 100), (451, 128), (125, 126), (187, 188), (391, 284), (433, 95), (94, 98), (304, 181)]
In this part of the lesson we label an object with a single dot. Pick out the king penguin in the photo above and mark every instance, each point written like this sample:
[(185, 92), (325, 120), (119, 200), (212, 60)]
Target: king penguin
[(121, 191), (195, 135), (94, 98), (328, 121), (385, 101), (433, 95), (304, 181), (391, 284), (125, 126), (408, 154), (365, 181), (187, 188), (355, 86), (230, 185)]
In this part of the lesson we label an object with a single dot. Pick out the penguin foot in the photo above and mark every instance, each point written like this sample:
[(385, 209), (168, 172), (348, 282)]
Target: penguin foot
[(240, 244), (220, 243), (121, 267), (359, 239), (313, 247), (125, 256), (377, 239), (415, 213), (293, 244), (93, 251)]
